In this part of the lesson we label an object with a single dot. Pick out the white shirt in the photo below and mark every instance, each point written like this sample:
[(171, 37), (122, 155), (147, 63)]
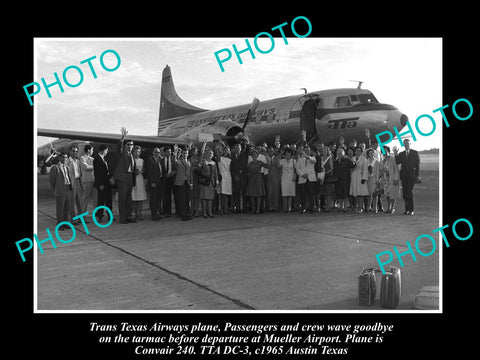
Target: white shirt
[(64, 170), (103, 159), (76, 170), (158, 162), (168, 164), (130, 167)]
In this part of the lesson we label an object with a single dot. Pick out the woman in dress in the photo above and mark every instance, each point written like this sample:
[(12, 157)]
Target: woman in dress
[(373, 182), (287, 180), (139, 193), (342, 168), (358, 182), (256, 185), (326, 188), (390, 176), (223, 163), (208, 180)]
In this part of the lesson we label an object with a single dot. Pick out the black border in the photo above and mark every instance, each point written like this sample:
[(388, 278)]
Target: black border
[(64, 335)]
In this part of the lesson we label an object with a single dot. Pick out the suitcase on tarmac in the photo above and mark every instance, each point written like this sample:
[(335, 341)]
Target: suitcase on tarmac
[(390, 288), (367, 287), (427, 298)]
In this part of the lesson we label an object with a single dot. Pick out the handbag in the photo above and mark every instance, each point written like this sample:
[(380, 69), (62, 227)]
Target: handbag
[(378, 191), (321, 176), (321, 173)]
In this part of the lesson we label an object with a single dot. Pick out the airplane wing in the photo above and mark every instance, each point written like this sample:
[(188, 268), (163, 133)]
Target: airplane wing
[(144, 140)]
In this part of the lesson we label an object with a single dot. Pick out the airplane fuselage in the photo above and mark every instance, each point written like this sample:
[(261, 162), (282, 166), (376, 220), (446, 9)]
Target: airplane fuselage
[(324, 115)]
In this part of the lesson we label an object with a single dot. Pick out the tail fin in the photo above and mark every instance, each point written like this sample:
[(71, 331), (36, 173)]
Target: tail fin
[(171, 105)]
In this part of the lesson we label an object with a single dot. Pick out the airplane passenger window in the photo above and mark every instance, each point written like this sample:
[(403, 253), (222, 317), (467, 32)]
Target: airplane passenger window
[(319, 103), (342, 101)]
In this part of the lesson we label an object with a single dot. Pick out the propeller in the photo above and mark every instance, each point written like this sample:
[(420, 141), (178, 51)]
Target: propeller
[(209, 137), (251, 110)]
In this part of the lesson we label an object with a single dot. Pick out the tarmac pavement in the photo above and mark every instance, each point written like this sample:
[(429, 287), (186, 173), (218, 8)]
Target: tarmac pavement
[(271, 261)]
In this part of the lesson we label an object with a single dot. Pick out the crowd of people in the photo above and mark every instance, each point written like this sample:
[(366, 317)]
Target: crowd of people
[(218, 179)]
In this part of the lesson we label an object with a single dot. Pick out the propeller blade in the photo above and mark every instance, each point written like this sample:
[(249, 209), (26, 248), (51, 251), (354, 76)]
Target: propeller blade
[(251, 110)]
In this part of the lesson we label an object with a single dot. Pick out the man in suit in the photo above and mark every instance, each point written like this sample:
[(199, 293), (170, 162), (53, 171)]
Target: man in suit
[(169, 177), (183, 183), (124, 175), (61, 178), (77, 186), (101, 182), (155, 171), (239, 172), (409, 174), (307, 177)]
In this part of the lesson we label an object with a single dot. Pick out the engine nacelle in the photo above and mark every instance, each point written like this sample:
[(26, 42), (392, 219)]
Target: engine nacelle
[(225, 130)]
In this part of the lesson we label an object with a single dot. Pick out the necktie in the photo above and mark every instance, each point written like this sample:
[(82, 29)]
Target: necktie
[(159, 166), (132, 162), (106, 164), (65, 174)]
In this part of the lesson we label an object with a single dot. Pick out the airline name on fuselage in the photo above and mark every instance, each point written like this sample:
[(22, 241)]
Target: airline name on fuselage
[(238, 117), (343, 123)]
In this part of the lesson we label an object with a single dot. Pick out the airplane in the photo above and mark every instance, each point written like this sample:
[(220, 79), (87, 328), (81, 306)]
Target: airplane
[(324, 116)]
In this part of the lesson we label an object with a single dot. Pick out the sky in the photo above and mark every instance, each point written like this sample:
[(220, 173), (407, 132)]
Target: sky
[(404, 72)]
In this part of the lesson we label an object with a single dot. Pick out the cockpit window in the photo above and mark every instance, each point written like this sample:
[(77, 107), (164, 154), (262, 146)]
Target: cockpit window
[(354, 99), (342, 101), (350, 100), (367, 98)]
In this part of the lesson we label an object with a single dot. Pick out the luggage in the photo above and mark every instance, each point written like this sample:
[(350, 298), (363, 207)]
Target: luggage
[(367, 287), (390, 290), (427, 298)]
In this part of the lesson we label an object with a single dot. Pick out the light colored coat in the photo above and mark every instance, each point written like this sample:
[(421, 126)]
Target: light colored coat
[(183, 172), (86, 163), (306, 165), (359, 173)]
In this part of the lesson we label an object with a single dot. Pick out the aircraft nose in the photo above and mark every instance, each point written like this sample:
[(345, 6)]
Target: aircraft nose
[(396, 119)]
